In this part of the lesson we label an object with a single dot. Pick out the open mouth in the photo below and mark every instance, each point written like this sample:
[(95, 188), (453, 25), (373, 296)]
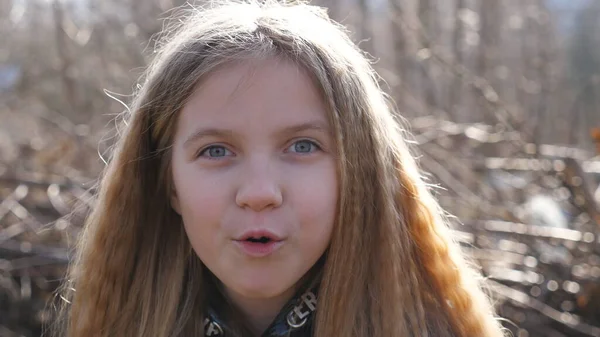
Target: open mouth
[(259, 243), (259, 236), (262, 239)]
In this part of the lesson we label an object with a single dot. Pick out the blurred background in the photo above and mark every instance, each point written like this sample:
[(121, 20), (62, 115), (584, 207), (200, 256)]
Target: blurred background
[(503, 99)]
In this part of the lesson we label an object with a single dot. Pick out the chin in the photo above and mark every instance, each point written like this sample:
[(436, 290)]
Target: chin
[(261, 287)]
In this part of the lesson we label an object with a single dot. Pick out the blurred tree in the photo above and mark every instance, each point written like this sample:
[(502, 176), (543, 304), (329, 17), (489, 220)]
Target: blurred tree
[(585, 71), (366, 37), (490, 18), (458, 47), (428, 16)]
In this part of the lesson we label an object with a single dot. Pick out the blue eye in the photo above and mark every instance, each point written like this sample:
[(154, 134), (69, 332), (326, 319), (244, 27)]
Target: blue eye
[(304, 146), (215, 151)]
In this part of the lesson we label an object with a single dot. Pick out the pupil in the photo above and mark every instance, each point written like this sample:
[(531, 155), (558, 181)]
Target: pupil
[(216, 152), (302, 146)]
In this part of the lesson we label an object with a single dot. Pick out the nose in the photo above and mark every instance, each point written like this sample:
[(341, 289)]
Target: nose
[(259, 189)]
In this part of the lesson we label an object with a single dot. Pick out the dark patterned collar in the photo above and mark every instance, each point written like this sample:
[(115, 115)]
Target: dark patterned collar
[(295, 319)]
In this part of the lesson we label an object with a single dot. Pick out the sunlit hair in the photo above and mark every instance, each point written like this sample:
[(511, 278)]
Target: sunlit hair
[(392, 268)]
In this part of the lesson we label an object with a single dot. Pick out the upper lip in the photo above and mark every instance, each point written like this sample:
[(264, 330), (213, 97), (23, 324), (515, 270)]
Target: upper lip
[(259, 233)]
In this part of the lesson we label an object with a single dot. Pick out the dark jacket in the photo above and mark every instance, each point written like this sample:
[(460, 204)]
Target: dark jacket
[(294, 320)]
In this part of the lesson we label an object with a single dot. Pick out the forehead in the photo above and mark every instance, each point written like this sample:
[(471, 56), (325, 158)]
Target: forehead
[(269, 92)]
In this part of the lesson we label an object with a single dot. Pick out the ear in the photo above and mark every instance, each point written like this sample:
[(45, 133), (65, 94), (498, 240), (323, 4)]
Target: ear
[(175, 201)]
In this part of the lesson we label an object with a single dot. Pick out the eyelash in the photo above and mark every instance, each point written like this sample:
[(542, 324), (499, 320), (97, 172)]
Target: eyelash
[(208, 148)]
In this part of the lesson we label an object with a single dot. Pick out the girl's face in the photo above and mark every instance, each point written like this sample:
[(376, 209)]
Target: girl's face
[(255, 178)]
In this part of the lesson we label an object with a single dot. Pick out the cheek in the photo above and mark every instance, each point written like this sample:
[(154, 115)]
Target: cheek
[(316, 206), (202, 203)]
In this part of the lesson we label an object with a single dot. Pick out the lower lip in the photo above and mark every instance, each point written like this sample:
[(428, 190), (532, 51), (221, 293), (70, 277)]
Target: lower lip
[(255, 249)]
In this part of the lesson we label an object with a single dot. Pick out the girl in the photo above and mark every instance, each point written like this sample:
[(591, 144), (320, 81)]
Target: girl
[(263, 188)]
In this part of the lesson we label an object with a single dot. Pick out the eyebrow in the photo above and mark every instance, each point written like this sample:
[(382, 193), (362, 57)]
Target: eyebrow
[(216, 132), (314, 126)]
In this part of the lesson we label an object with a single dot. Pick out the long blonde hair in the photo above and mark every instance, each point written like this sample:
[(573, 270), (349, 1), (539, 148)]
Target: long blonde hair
[(135, 273)]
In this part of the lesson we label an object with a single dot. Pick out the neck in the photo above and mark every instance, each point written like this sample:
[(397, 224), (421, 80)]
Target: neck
[(260, 312)]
